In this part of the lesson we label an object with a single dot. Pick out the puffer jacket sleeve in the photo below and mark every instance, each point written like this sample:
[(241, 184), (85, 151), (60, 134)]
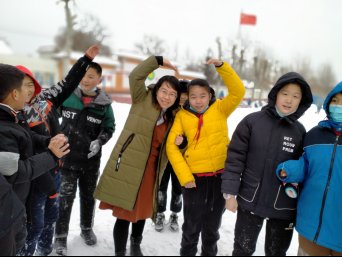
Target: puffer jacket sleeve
[(296, 170), (108, 126), (175, 156), (59, 93), (236, 158), (138, 77), (236, 89)]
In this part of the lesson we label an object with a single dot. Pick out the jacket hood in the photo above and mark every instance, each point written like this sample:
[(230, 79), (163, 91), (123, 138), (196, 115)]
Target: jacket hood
[(335, 91), (37, 86), (101, 99), (288, 78)]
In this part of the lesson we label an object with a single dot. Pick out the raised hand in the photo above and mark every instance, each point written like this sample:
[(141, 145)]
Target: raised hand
[(93, 51), (167, 64), (215, 62)]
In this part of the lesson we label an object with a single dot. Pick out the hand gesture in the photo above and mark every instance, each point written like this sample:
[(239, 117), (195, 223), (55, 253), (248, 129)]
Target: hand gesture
[(179, 140), (94, 148), (283, 174), (168, 65), (190, 185), (216, 62), (232, 204), (59, 146), (92, 51)]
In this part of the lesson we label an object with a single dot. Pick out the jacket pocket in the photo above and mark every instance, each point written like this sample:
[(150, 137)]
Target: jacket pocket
[(123, 149), (249, 186), (284, 202)]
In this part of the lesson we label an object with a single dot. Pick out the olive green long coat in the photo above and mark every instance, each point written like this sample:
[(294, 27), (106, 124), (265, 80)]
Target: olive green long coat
[(121, 180)]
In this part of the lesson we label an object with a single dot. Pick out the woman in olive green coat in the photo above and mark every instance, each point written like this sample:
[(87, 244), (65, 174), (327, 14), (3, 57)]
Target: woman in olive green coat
[(130, 181)]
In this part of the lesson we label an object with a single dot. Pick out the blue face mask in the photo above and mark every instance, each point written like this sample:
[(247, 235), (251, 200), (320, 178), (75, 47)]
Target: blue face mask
[(193, 109), (336, 113)]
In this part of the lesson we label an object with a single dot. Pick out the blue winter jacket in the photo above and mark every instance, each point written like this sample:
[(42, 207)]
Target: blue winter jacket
[(319, 212)]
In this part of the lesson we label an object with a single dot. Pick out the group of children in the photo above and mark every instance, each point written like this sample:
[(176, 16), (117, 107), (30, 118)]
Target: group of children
[(271, 169), (41, 161)]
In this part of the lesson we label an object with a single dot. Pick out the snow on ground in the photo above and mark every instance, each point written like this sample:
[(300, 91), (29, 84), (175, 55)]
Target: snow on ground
[(165, 243)]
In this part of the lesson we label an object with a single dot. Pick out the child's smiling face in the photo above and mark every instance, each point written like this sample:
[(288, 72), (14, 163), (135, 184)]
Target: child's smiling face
[(199, 98), (289, 98)]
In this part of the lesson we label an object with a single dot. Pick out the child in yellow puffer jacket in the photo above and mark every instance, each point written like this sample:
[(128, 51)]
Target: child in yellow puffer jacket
[(203, 121)]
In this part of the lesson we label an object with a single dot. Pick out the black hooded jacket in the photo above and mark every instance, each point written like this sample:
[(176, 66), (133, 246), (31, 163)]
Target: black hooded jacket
[(11, 208), (17, 152), (262, 141)]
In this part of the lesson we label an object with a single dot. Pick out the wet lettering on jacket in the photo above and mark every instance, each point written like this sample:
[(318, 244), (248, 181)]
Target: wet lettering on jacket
[(288, 145)]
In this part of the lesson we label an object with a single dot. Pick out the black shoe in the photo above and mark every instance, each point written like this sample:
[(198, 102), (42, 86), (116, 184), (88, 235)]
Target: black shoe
[(135, 246), (120, 253), (89, 237), (61, 246)]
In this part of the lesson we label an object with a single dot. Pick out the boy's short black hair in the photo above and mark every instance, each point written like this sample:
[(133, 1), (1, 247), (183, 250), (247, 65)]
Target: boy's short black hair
[(96, 67), (10, 79), (183, 83)]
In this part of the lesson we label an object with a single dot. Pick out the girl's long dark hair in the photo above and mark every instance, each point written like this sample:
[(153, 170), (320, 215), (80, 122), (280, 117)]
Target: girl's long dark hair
[(174, 83)]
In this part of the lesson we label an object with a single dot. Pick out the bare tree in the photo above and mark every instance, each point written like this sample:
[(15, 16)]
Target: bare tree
[(89, 31), (326, 77), (151, 45)]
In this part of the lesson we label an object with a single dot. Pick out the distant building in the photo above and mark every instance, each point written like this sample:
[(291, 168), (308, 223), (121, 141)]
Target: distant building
[(116, 72), (49, 69), (44, 69)]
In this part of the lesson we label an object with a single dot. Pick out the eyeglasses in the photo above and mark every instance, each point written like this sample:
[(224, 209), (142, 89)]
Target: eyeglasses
[(165, 93)]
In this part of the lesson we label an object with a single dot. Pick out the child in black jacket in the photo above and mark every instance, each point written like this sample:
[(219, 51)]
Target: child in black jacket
[(43, 118), (261, 141), (17, 142)]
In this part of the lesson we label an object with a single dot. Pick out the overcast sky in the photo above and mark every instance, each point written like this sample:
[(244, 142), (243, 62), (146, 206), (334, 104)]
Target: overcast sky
[(291, 28)]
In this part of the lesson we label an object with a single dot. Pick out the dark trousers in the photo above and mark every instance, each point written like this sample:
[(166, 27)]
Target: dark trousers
[(176, 200), (87, 180), (41, 226), (203, 210), (247, 229), (121, 230)]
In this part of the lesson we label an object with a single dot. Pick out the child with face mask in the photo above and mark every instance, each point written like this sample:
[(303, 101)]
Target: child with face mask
[(261, 141), (319, 214), (203, 122)]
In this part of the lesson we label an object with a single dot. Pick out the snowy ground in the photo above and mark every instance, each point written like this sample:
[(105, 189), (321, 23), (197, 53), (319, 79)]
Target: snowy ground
[(165, 243)]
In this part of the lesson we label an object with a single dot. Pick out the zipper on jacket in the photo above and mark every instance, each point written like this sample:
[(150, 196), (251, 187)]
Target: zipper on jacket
[(326, 190), (123, 149)]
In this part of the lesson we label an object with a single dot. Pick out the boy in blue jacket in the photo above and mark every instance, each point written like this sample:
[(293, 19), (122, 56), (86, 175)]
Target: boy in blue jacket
[(319, 213)]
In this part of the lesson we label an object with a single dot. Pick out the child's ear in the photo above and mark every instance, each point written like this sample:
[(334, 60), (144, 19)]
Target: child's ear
[(15, 94)]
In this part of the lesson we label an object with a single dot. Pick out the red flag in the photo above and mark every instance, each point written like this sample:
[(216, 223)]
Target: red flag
[(247, 19)]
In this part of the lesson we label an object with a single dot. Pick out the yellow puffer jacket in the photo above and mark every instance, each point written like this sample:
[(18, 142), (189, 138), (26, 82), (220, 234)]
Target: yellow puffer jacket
[(209, 153)]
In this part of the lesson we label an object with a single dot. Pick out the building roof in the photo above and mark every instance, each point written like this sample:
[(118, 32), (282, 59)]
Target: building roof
[(100, 58)]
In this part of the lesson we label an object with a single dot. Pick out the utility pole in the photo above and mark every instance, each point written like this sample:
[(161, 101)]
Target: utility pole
[(69, 36)]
